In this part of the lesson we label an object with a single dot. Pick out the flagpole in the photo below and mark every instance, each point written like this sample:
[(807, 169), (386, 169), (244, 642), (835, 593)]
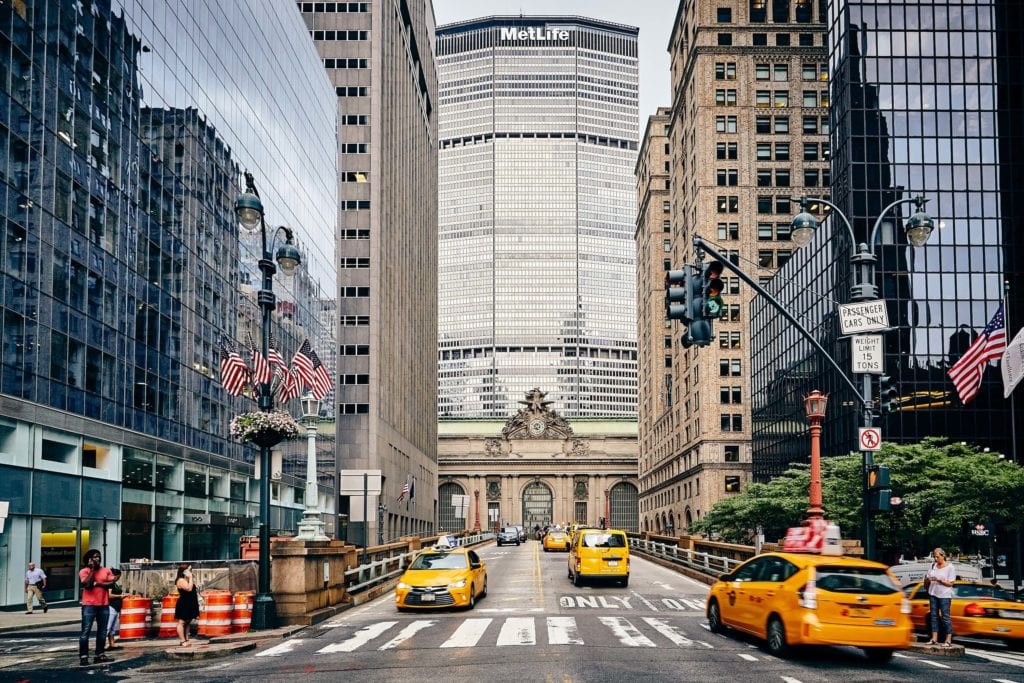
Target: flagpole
[(1013, 451)]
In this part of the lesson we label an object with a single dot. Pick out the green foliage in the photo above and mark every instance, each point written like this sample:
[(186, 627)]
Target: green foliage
[(943, 485)]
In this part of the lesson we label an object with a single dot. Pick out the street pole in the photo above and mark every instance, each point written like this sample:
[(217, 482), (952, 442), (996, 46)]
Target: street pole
[(815, 403), (311, 526)]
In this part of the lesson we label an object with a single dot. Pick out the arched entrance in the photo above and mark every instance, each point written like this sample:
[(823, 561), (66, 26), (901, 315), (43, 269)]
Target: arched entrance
[(624, 502), (689, 518), (537, 505), (446, 519)]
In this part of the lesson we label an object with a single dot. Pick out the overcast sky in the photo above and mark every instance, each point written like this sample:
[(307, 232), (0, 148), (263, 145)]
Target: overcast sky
[(652, 17)]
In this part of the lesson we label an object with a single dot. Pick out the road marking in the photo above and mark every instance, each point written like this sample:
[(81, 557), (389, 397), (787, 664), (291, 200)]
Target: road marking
[(997, 658), (361, 637), (749, 658), (407, 632), (668, 631), (507, 610), (644, 600), (517, 631), (705, 626), (1002, 680), (563, 631), (282, 648), (468, 633), (937, 665), (16, 662), (627, 634), (790, 679), (693, 604)]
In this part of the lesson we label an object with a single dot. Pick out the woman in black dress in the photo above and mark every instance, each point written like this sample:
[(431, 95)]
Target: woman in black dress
[(187, 608)]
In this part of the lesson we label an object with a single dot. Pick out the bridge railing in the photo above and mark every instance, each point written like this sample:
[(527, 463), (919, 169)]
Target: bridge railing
[(391, 561), (710, 564)]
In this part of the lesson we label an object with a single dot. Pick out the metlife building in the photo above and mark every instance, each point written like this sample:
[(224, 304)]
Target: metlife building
[(538, 141)]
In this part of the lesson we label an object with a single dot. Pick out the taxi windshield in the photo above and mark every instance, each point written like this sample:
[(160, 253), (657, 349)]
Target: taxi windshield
[(855, 580), (439, 561), (603, 541), (975, 590)]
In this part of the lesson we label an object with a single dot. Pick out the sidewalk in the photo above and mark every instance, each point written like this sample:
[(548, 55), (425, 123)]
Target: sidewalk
[(55, 616)]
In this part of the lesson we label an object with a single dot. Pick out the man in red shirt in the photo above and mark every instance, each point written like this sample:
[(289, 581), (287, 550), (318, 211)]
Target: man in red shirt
[(95, 581)]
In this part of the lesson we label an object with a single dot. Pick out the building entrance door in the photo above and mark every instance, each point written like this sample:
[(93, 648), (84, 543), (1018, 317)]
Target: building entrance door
[(537, 505)]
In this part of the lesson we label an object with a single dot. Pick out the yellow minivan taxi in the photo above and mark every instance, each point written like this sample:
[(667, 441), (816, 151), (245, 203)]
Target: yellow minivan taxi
[(599, 554), (806, 599)]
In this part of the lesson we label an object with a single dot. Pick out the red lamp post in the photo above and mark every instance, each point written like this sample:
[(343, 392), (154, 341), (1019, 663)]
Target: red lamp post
[(476, 524), (815, 403)]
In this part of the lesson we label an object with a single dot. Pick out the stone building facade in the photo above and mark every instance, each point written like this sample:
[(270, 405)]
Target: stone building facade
[(537, 468)]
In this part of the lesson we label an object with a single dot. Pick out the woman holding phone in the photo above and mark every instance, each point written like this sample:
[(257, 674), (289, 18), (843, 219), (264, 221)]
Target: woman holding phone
[(187, 608)]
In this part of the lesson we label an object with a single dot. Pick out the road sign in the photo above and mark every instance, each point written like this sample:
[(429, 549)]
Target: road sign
[(863, 316), (870, 439), (352, 482), (866, 353)]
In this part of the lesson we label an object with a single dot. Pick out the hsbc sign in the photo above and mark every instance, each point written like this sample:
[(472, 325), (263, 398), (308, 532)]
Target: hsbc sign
[(533, 33)]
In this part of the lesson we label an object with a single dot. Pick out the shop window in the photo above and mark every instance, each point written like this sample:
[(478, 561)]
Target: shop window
[(55, 451), (732, 453)]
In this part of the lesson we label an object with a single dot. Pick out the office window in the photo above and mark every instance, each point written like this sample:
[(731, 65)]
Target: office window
[(666, 245), (782, 256), (728, 231), (805, 40), (732, 422), (732, 482), (780, 72), (764, 177), (782, 232), (666, 226), (725, 39), (782, 39), (759, 39), (824, 125), (725, 97), (728, 340), (731, 313), (732, 454), (666, 207), (725, 71), (762, 72), (810, 151), (724, 15), (758, 11), (811, 177), (781, 151), (781, 98), (727, 204), (727, 177), (763, 98), (730, 395), (805, 11), (810, 98), (782, 177), (668, 361), (809, 72), (826, 152), (781, 125), (782, 205), (726, 150), (765, 204), (766, 258), (763, 125), (765, 232), (764, 151), (780, 11), (725, 124), (810, 124)]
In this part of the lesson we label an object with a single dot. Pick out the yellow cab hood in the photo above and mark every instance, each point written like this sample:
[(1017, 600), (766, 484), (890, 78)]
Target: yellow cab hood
[(434, 577)]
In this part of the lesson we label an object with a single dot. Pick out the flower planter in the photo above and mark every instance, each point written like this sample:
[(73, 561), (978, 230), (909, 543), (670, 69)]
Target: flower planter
[(266, 439)]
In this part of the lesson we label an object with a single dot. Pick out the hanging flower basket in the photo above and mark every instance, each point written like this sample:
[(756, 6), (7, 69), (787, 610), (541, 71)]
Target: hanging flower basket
[(265, 429)]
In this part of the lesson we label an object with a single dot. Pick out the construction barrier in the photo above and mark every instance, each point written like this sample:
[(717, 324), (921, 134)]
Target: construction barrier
[(241, 615), (135, 617), (218, 613), (168, 625)]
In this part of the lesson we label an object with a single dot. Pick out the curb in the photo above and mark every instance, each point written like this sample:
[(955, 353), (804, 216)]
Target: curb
[(250, 636), (188, 654), (938, 650), (38, 625)]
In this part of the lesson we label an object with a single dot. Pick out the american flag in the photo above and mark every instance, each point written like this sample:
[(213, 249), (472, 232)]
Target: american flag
[(314, 373), (405, 491), (989, 345), (290, 387), (275, 358), (234, 373), (260, 366)]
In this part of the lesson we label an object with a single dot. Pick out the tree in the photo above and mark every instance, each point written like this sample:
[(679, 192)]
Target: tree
[(944, 487)]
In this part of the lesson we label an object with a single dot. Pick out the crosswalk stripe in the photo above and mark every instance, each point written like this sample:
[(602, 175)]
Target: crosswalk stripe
[(468, 633), (627, 634), (749, 658), (281, 648), (361, 637), (563, 631), (407, 633), (937, 665), (517, 631), (668, 631), (693, 604), (999, 658)]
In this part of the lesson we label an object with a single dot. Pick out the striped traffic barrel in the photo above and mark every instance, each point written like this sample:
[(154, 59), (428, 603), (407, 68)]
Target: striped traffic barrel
[(218, 613), (135, 618), (241, 615), (168, 625)]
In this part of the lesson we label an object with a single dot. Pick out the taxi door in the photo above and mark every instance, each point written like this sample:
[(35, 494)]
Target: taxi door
[(764, 591), (736, 610), (919, 605)]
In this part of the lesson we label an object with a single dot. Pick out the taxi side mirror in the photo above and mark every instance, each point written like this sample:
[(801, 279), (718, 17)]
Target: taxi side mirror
[(727, 576), (475, 565)]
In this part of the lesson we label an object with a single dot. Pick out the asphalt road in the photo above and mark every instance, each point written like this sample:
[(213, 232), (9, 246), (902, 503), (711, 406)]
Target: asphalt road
[(535, 626)]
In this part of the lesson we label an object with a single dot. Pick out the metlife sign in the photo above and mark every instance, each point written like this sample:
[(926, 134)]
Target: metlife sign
[(533, 33)]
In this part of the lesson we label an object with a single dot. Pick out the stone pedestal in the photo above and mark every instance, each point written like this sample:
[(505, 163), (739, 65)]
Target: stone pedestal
[(308, 576)]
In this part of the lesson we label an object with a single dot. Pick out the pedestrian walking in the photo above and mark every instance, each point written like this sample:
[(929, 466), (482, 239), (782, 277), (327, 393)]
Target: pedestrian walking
[(95, 581), (187, 607), (939, 582), (114, 620), (35, 584)]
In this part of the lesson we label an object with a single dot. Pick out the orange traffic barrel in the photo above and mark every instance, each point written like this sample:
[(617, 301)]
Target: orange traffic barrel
[(201, 619), (168, 625), (218, 613), (241, 615), (135, 617)]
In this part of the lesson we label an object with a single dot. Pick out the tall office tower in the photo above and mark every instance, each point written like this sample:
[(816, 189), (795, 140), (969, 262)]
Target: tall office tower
[(380, 58), (927, 99), (538, 126), (749, 130), (122, 142)]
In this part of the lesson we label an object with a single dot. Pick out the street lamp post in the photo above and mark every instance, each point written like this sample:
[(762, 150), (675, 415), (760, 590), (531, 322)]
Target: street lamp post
[(311, 527), (918, 228), (249, 209), (815, 403), (381, 511)]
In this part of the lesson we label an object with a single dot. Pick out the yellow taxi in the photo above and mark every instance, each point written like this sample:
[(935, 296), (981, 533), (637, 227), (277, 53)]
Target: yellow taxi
[(599, 554), (442, 577), (978, 610), (556, 539), (791, 599)]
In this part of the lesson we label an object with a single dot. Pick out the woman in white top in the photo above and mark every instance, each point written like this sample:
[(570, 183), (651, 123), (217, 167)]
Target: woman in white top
[(940, 580)]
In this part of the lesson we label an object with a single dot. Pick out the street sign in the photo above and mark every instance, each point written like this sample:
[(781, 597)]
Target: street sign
[(352, 483), (863, 316), (870, 439), (866, 353), (461, 505)]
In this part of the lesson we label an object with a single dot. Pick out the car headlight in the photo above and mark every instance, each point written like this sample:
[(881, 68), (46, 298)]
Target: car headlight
[(458, 584), (403, 585)]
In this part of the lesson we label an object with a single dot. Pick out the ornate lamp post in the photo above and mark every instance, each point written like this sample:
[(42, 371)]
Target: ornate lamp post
[(311, 527), (381, 511), (815, 403), (476, 524), (249, 209)]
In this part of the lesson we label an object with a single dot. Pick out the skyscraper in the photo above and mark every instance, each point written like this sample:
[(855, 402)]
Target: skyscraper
[(380, 59), (537, 137)]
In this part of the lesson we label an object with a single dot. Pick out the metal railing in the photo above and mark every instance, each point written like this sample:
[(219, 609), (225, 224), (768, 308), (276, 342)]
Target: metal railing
[(392, 566), (712, 565)]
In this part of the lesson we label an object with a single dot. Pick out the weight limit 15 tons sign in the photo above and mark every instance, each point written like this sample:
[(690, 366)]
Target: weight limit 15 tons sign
[(866, 354)]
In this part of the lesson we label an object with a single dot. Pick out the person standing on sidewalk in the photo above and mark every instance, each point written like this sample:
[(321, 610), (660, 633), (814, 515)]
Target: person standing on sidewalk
[(939, 581), (35, 584), (187, 607), (95, 581), (116, 597)]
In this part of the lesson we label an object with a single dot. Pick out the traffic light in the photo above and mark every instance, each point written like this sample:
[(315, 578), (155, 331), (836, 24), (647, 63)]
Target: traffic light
[(676, 290), (879, 494), (888, 395), (698, 330), (711, 290)]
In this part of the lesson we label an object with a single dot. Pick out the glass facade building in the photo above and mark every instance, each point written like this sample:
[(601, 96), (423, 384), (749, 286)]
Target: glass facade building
[(537, 145), (926, 99), (124, 129)]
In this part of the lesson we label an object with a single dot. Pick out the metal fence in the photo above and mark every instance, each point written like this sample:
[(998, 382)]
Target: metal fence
[(706, 563), (391, 563)]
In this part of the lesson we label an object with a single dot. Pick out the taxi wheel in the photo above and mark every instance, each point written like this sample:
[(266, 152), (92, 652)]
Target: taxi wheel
[(715, 618), (577, 580), (483, 593), (878, 655), (472, 597), (777, 644), (624, 582)]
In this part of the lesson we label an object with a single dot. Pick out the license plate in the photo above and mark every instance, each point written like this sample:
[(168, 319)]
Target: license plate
[(613, 563), (885, 622), (859, 612), (1011, 614), (427, 597)]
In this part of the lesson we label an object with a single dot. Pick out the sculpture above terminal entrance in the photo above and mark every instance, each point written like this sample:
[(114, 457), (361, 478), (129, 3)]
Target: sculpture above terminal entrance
[(536, 420)]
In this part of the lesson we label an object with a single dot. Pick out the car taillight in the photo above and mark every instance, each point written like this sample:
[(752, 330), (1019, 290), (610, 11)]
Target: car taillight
[(905, 606), (808, 594), (974, 610)]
